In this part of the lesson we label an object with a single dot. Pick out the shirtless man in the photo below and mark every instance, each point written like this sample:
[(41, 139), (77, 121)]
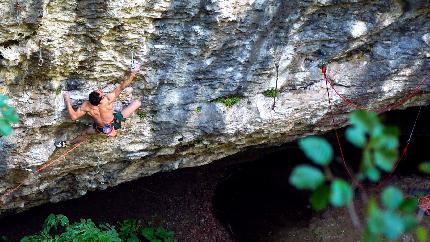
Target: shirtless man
[(100, 108)]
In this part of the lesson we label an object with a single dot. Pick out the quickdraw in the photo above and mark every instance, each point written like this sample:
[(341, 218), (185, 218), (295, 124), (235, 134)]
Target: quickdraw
[(8, 192), (276, 86), (133, 62), (40, 54), (18, 10)]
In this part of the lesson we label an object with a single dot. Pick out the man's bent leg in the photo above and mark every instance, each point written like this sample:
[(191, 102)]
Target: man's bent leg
[(130, 109)]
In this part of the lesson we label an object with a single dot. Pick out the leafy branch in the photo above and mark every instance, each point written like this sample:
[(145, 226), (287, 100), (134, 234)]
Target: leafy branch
[(379, 146), (7, 117)]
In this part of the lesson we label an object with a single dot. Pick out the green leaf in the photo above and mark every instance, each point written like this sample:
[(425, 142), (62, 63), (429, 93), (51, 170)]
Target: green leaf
[(385, 159), (424, 167), (356, 136), (393, 225), (392, 197), (5, 128), (306, 177), (409, 222), (375, 223), (372, 207), (320, 197), (2, 101), (421, 234), (373, 174), (366, 121), (409, 205), (341, 193), (370, 237), (388, 139), (9, 113), (317, 149)]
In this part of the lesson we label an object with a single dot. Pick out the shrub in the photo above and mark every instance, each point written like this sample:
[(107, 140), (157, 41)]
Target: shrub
[(7, 117), (272, 92), (57, 228), (379, 145), (228, 101)]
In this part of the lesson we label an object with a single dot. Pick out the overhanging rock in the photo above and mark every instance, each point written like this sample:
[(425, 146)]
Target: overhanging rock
[(193, 52)]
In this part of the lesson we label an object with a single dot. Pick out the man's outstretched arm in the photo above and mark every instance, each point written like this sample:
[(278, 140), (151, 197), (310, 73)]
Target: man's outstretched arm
[(127, 81), (74, 115)]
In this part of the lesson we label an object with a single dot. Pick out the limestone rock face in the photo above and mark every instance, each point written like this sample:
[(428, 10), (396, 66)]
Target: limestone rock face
[(193, 52)]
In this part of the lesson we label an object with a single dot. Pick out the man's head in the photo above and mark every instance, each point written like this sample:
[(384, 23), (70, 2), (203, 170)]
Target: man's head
[(95, 97)]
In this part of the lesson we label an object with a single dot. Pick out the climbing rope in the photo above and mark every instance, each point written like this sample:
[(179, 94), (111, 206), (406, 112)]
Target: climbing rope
[(424, 204), (350, 103), (38, 171), (354, 105)]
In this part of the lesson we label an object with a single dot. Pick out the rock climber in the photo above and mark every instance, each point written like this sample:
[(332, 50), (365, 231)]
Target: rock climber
[(100, 107)]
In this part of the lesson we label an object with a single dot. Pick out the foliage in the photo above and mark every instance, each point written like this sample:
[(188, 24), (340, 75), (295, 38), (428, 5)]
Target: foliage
[(58, 229), (158, 235), (393, 220), (379, 146), (228, 101), (129, 230), (199, 109), (306, 177), (424, 167), (7, 117), (272, 92), (317, 149), (84, 230)]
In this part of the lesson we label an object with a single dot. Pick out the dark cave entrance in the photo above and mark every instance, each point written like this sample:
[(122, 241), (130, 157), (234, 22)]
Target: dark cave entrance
[(244, 197), (256, 200)]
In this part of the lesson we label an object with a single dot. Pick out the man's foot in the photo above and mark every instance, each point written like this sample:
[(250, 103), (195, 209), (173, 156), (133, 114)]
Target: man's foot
[(60, 144)]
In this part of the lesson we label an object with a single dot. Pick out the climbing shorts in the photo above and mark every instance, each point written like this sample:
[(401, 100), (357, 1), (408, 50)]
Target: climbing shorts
[(117, 119), (109, 129)]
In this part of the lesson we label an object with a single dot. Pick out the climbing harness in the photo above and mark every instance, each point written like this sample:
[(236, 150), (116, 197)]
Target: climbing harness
[(354, 105), (38, 171), (107, 129), (40, 54)]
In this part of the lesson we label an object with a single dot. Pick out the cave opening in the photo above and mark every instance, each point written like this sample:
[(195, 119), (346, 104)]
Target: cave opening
[(244, 197), (257, 203)]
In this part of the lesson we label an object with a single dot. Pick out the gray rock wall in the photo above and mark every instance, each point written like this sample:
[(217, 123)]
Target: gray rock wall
[(193, 52)]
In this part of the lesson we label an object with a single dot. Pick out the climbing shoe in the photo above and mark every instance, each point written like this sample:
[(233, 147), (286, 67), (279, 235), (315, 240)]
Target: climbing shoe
[(60, 144)]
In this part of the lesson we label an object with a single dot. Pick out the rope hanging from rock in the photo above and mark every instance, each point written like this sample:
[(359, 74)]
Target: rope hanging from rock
[(424, 204), (356, 106), (38, 171), (276, 86)]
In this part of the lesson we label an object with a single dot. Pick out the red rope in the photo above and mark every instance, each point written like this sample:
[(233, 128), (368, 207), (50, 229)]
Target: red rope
[(354, 105), (38, 171), (424, 204), (414, 92)]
